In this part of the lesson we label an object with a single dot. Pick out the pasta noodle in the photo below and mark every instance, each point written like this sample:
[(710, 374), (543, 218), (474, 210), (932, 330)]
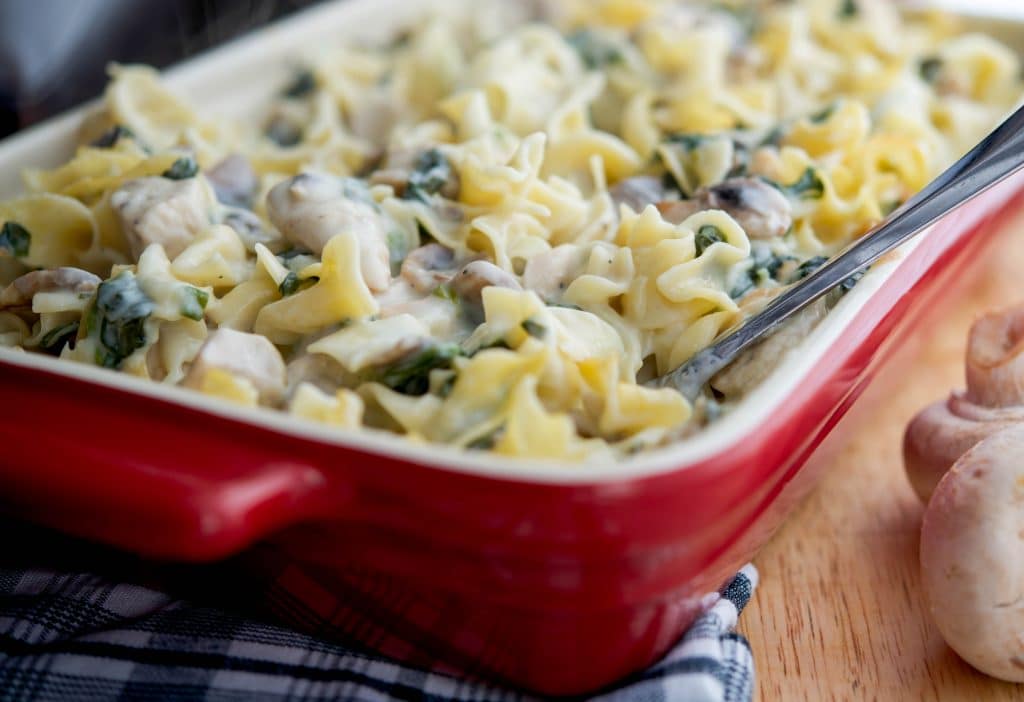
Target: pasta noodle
[(489, 232)]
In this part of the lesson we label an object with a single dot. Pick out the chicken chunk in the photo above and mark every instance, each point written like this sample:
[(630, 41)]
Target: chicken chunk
[(162, 211), (311, 209), (248, 356)]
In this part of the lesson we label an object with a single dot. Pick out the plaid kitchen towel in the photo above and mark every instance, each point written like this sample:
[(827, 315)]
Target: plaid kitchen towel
[(70, 635)]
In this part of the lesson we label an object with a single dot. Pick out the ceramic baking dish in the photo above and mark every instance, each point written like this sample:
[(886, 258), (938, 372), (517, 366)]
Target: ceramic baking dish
[(555, 578)]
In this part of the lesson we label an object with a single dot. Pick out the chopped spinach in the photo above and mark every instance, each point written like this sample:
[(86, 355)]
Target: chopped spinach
[(431, 173), (687, 141), (824, 115), (109, 138), (807, 267), (535, 329), (706, 236), (283, 133), (808, 186), (929, 68), (774, 137), (54, 341), (398, 249), (15, 239), (487, 441), (765, 266), (193, 302), (302, 84), (596, 51), (411, 375), (119, 313), (848, 9), (182, 169), (292, 283), (445, 292)]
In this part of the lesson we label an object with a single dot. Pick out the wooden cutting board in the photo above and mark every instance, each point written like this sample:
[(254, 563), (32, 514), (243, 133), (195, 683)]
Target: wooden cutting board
[(839, 613)]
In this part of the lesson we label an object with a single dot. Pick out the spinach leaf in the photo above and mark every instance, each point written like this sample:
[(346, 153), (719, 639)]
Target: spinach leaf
[(445, 292), (596, 51), (806, 268), (182, 169), (535, 329), (302, 84), (292, 283), (411, 375), (929, 69), (284, 133), (431, 173), (848, 9), (398, 249), (706, 236), (15, 239), (487, 441), (119, 313), (765, 266), (193, 302), (808, 186), (687, 141), (54, 341), (823, 115)]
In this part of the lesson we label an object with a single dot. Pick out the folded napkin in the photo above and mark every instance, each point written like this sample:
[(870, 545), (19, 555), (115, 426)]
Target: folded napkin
[(66, 634)]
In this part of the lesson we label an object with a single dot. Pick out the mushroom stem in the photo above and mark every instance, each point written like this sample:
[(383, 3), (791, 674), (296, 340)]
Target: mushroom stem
[(995, 359)]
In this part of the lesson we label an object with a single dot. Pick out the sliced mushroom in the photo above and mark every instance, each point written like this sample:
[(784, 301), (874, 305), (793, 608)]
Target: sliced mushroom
[(248, 226), (638, 192), (762, 211), (972, 555), (162, 211), (311, 209), (429, 266), (19, 294), (469, 284), (322, 371), (549, 274), (249, 356), (234, 181)]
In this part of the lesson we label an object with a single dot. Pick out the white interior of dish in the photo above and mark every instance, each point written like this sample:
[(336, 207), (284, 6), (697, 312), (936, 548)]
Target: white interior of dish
[(245, 74)]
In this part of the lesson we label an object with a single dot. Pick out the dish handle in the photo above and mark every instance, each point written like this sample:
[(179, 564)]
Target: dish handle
[(150, 477)]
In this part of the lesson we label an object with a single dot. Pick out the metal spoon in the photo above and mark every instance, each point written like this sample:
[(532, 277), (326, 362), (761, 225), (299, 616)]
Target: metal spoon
[(998, 156)]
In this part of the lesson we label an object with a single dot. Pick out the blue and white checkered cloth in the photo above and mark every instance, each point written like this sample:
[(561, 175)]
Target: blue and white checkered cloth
[(71, 635)]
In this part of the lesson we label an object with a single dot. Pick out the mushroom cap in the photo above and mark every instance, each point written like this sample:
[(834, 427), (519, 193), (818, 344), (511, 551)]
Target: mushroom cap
[(972, 555), (942, 432)]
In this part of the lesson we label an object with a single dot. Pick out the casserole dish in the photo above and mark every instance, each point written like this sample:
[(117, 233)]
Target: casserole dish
[(556, 578)]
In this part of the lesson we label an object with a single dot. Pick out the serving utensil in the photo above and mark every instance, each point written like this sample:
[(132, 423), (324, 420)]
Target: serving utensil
[(996, 157)]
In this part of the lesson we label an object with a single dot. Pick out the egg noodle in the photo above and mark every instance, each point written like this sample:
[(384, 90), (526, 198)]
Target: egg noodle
[(489, 232)]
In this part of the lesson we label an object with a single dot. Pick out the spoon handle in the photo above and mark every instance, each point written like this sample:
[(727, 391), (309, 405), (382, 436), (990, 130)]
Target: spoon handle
[(998, 156)]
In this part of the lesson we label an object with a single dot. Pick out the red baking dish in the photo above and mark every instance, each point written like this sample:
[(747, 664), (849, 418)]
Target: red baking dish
[(554, 578)]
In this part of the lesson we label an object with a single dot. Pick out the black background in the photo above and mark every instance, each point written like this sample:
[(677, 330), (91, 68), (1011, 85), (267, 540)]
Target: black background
[(53, 53)]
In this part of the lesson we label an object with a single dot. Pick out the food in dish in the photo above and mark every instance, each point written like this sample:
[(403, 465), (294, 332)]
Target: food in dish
[(490, 231)]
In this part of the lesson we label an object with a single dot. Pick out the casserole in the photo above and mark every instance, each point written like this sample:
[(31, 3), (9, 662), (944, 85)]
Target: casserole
[(559, 579)]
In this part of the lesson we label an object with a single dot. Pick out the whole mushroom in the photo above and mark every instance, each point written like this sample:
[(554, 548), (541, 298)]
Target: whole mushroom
[(972, 555), (994, 400), (965, 458)]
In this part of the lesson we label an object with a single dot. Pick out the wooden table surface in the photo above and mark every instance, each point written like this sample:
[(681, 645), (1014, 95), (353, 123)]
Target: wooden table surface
[(838, 614)]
